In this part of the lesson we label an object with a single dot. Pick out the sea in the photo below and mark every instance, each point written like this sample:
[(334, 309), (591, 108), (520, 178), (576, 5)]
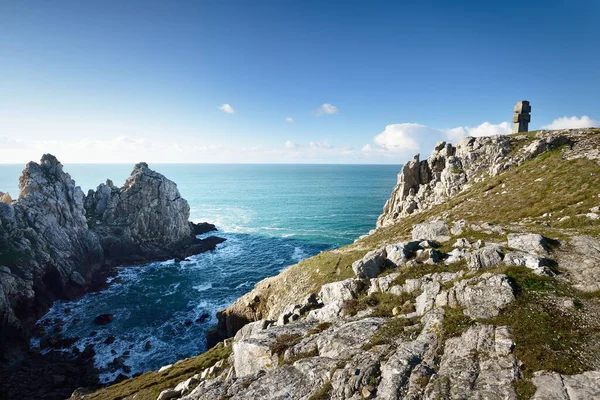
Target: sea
[(272, 216)]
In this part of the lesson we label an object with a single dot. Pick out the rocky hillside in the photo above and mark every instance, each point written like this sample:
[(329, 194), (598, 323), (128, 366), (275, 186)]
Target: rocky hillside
[(482, 281), (54, 240)]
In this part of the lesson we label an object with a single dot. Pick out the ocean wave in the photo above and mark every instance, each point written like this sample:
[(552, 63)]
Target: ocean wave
[(203, 287)]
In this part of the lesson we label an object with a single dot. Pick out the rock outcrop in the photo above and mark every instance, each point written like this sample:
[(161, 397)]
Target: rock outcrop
[(146, 219), (51, 246), (46, 249), (450, 169)]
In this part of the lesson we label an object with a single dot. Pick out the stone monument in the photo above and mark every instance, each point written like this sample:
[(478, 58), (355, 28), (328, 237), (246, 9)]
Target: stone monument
[(521, 117)]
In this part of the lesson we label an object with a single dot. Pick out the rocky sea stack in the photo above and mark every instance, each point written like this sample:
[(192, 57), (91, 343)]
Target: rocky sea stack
[(482, 281), (54, 241)]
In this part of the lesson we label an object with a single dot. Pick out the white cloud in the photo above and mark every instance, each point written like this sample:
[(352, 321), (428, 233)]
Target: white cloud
[(290, 119), (227, 108), (403, 137), (405, 140), (571, 123), (320, 145), (10, 143), (367, 148), (485, 129), (327, 109), (456, 133), (291, 145)]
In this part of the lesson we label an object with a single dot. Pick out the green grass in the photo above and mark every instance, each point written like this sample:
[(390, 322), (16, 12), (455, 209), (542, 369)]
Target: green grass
[(300, 356), (323, 393), (323, 326), (150, 384), (424, 269), (284, 342), (455, 322), (382, 304), (546, 338), (524, 388)]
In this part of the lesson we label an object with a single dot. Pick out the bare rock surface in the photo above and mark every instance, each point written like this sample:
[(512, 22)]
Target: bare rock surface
[(435, 230), (581, 259), (479, 364), (528, 242), (554, 386)]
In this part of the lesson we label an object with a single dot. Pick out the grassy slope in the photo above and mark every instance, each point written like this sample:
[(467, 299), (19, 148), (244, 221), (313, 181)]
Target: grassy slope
[(149, 385), (531, 197)]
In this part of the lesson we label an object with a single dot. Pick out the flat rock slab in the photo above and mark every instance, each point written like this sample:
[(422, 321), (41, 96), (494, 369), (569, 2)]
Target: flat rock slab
[(554, 386), (581, 260)]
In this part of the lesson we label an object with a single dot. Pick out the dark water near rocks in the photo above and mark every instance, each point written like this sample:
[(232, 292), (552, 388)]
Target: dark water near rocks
[(271, 215)]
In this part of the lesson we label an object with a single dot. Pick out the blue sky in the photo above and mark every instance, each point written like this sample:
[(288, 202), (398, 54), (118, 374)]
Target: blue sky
[(112, 81)]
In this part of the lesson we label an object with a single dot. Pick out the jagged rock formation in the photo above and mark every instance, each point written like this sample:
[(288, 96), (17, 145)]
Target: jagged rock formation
[(46, 249), (451, 169), (51, 246), (146, 219)]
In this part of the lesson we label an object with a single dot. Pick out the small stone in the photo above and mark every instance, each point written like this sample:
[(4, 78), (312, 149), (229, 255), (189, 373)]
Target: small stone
[(103, 319), (109, 340), (367, 392)]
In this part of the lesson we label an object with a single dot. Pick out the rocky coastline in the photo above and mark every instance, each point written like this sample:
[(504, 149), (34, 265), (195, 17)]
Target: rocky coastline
[(57, 243)]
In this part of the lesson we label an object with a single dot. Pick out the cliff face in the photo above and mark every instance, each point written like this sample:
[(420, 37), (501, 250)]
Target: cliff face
[(47, 251), (480, 282), (51, 246)]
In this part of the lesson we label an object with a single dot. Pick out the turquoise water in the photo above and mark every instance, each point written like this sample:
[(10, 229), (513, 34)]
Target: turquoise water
[(271, 215)]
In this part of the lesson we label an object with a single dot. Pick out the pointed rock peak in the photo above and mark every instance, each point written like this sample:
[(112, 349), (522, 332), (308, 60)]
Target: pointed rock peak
[(50, 163), (141, 165)]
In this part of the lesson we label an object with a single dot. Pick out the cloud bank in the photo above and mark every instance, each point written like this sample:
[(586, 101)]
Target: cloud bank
[(571, 123)]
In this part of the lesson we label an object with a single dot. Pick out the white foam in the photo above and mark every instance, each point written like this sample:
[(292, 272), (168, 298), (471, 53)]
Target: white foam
[(299, 254), (203, 287)]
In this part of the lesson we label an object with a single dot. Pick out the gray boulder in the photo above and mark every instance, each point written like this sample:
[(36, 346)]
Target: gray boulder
[(371, 265), (400, 253), (528, 242), (538, 264), (434, 230), (169, 394), (481, 297), (338, 292), (486, 257)]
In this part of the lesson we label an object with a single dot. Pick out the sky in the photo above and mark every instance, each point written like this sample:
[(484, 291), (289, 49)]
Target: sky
[(286, 81)]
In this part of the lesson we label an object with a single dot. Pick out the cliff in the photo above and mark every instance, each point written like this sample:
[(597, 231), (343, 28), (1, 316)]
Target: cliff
[(51, 247), (482, 281)]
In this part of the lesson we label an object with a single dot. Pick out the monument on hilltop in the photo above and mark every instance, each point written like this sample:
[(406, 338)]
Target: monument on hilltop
[(521, 117)]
